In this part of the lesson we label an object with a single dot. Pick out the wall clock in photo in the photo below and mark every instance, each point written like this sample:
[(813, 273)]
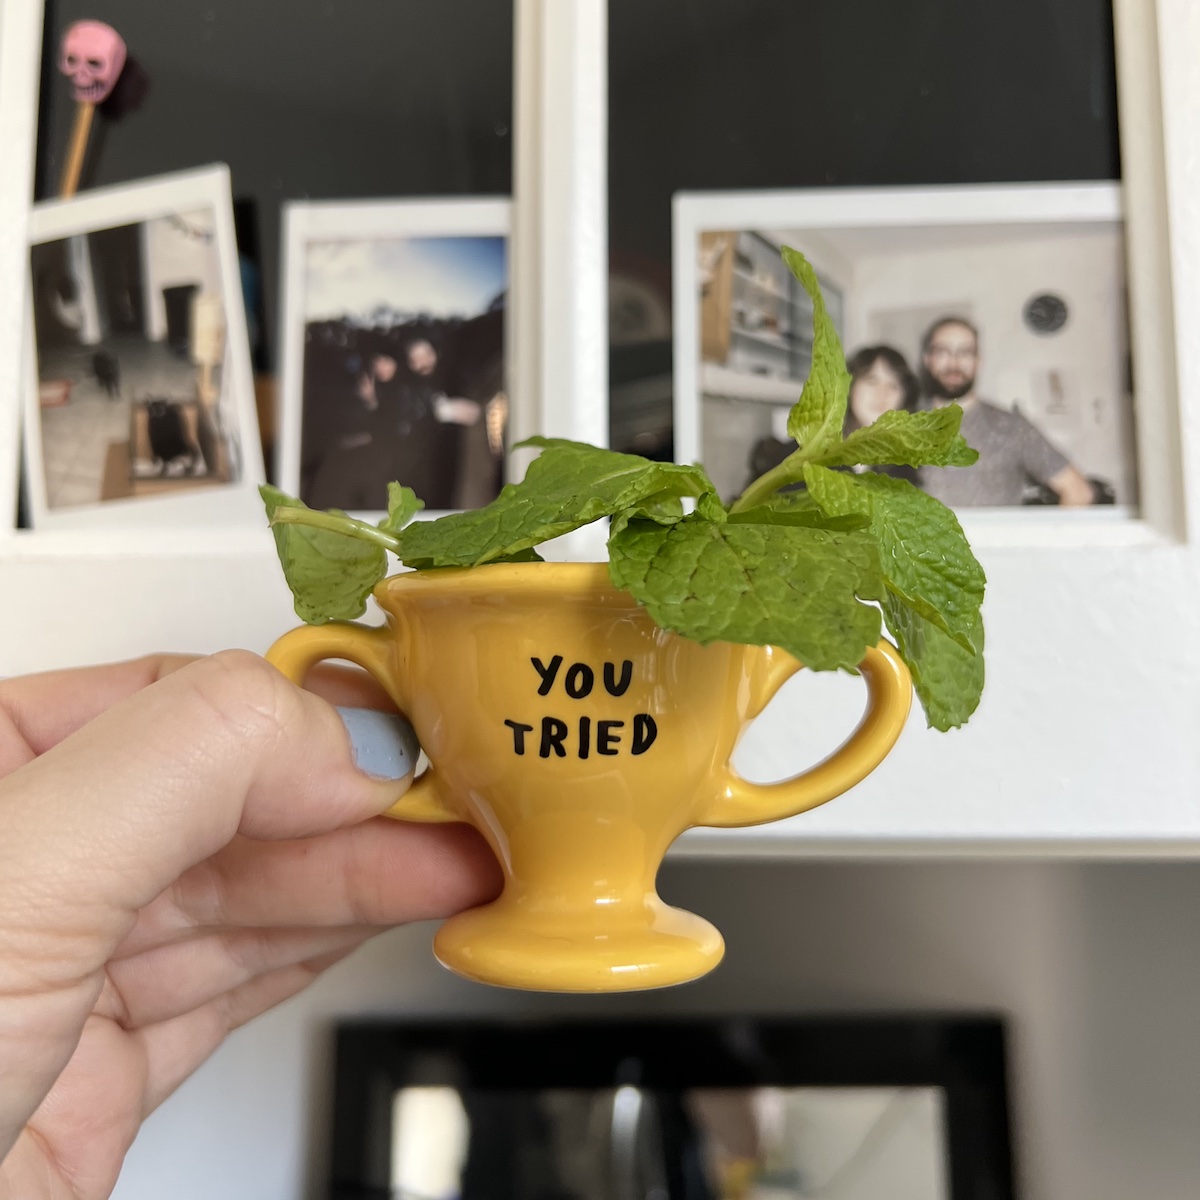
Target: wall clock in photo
[(1045, 313)]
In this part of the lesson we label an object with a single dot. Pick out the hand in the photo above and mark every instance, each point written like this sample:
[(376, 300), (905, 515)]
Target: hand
[(1073, 490), (365, 388), (186, 843), (496, 417), (456, 411)]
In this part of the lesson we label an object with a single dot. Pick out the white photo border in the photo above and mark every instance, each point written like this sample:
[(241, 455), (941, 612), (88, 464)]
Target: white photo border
[(1156, 519), (234, 504), (311, 220), (20, 67)]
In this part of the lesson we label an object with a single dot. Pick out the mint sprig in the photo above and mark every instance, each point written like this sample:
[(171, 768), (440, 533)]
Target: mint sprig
[(330, 561), (948, 679), (792, 586), (403, 505), (816, 420), (570, 484), (927, 563), (904, 439), (811, 557)]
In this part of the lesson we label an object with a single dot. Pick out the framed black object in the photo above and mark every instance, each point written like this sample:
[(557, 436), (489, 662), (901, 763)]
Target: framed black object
[(496, 1067)]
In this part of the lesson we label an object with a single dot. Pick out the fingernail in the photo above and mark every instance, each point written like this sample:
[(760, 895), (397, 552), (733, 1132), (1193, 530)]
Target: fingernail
[(384, 744)]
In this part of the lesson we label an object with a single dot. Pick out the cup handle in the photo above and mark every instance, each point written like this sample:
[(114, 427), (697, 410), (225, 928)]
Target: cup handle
[(889, 697), (373, 649)]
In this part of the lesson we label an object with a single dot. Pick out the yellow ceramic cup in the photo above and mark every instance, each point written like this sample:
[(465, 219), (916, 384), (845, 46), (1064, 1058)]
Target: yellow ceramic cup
[(580, 739)]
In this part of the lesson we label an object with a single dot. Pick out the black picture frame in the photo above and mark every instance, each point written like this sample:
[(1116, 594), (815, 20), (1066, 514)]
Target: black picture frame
[(965, 1056)]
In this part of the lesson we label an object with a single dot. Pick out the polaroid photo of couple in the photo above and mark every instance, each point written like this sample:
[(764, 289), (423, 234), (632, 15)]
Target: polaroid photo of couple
[(1010, 301), (394, 352)]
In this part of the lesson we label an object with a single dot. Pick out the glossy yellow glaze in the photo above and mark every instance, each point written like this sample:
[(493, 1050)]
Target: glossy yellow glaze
[(581, 740)]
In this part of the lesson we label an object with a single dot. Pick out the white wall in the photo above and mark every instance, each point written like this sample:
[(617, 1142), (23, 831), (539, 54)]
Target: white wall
[(1097, 965), (171, 257), (80, 259), (830, 261)]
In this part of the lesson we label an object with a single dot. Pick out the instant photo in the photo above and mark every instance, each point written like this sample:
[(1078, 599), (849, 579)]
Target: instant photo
[(140, 380), (1022, 320), (396, 355)]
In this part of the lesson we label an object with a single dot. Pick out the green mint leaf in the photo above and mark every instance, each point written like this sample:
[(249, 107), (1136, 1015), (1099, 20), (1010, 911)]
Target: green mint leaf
[(799, 508), (816, 420), (529, 554), (403, 505), (568, 485), (923, 551), (664, 508), (906, 439), (709, 506), (947, 678), (663, 511), (789, 586), (331, 567)]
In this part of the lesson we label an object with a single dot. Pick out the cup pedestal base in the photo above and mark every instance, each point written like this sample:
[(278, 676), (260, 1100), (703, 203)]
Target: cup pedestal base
[(512, 944)]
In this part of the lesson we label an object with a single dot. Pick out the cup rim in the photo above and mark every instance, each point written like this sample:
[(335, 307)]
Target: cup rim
[(559, 579)]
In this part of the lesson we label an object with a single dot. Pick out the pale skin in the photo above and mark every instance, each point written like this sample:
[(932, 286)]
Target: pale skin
[(953, 359), (383, 370), (876, 391), (187, 843), (423, 360)]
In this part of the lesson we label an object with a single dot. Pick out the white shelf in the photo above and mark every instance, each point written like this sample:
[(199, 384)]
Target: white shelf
[(719, 381), (763, 339), (767, 290), (936, 794), (1085, 743)]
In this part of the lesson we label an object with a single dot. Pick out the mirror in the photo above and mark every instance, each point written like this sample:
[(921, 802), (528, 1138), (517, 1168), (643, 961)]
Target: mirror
[(631, 1143), (733, 1108)]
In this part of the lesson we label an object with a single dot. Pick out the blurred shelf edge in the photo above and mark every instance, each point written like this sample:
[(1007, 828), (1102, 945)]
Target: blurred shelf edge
[(74, 597), (68, 601), (165, 543), (726, 383), (215, 547), (789, 840), (777, 341), (804, 305)]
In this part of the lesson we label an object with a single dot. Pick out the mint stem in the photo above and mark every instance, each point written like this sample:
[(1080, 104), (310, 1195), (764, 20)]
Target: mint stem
[(327, 520), (768, 484)]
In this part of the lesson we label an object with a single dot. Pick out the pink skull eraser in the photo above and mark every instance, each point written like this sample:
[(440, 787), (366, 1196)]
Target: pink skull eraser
[(93, 55)]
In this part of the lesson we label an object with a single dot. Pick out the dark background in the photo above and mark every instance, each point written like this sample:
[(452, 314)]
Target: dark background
[(499, 1068), (320, 99), (363, 98), (749, 94)]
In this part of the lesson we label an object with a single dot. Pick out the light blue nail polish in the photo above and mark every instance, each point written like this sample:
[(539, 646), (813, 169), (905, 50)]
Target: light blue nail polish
[(384, 743)]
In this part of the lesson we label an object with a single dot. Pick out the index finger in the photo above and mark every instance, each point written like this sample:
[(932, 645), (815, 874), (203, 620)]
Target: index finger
[(166, 777), (39, 711)]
